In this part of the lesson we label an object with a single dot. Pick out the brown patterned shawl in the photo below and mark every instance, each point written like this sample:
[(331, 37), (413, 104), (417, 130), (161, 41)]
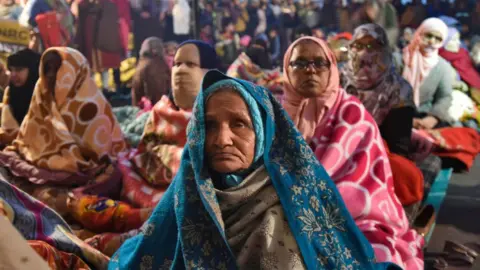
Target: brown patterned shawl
[(73, 130)]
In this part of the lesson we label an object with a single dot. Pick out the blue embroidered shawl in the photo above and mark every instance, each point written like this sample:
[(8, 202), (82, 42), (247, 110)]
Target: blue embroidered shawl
[(186, 230)]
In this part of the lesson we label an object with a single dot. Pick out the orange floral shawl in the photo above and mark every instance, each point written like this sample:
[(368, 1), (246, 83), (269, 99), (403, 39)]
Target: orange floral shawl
[(74, 130), (161, 147)]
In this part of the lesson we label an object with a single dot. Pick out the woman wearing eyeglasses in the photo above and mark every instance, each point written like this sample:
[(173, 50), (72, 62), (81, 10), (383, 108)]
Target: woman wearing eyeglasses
[(429, 74), (347, 142)]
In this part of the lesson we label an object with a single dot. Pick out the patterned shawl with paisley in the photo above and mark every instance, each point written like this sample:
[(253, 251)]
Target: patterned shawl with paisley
[(200, 226), (72, 130), (371, 77)]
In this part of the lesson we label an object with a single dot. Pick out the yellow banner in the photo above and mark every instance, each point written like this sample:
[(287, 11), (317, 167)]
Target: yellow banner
[(13, 33)]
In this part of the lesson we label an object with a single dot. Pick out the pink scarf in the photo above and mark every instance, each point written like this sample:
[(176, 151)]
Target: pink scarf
[(347, 142), (349, 145), (307, 113), (417, 64)]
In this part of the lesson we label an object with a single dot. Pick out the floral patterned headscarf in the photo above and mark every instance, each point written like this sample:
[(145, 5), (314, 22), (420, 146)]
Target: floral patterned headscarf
[(370, 75)]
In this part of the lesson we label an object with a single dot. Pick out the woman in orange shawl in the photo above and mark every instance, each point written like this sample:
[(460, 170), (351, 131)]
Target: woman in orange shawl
[(69, 138)]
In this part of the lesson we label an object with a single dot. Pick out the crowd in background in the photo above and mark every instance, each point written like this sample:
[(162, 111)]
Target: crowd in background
[(281, 135)]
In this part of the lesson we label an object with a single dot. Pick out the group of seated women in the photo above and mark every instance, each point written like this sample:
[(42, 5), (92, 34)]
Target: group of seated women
[(226, 175)]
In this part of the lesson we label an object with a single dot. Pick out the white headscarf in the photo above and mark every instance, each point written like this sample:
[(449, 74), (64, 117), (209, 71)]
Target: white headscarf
[(181, 18), (417, 64)]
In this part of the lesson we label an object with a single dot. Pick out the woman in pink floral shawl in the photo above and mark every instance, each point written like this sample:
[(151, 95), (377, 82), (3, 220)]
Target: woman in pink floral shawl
[(346, 140)]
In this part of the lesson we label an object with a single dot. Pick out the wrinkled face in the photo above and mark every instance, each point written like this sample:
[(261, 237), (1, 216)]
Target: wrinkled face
[(309, 69), (368, 61), (454, 44), (230, 135), (431, 41), (18, 76), (186, 76)]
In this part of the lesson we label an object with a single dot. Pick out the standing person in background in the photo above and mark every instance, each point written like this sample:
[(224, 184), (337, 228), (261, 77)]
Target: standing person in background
[(146, 22), (269, 14), (463, 12), (434, 9), (262, 19), (343, 14), (254, 20), (276, 8), (311, 14), (228, 44), (329, 15), (475, 19), (289, 20), (166, 19), (275, 44), (9, 10), (107, 46), (413, 15), (384, 14), (206, 14), (242, 18), (380, 12), (34, 8), (181, 20)]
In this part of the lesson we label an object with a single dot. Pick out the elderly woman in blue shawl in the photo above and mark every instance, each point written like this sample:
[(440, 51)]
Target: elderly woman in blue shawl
[(249, 194)]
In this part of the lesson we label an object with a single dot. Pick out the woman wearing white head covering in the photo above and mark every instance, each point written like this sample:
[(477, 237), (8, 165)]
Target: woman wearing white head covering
[(429, 74)]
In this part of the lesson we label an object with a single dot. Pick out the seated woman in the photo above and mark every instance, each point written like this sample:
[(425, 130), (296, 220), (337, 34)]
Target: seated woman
[(245, 164), (346, 140), (152, 75), (370, 76), (255, 65), (147, 173), (150, 82), (23, 66), (429, 75), (460, 59), (69, 137), (164, 136)]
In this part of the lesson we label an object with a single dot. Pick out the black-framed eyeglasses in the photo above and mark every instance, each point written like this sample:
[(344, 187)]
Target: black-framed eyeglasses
[(304, 64)]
